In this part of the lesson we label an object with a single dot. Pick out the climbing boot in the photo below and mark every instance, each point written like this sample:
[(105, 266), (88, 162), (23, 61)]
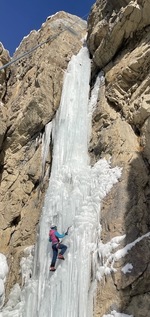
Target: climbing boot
[(60, 256), (52, 268)]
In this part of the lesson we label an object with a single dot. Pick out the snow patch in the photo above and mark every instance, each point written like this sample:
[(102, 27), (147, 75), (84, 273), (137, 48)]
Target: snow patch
[(115, 314), (24, 38), (127, 268)]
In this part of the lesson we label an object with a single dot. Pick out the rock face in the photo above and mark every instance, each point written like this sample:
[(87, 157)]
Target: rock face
[(113, 23), (30, 93), (4, 58), (119, 42), (30, 89)]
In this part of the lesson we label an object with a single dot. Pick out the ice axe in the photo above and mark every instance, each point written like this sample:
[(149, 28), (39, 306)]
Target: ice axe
[(66, 233)]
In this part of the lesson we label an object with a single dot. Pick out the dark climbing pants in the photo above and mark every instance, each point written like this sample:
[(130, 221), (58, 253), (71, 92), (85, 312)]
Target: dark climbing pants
[(55, 248)]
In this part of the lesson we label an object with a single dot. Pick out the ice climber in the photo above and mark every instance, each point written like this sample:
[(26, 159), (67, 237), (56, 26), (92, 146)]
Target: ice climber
[(54, 237)]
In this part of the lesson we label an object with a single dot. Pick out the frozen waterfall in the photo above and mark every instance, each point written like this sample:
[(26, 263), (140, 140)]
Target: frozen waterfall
[(73, 199)]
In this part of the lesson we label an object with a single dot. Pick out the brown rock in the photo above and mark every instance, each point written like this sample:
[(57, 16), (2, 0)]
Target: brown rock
[(114, 22), (118, 39)]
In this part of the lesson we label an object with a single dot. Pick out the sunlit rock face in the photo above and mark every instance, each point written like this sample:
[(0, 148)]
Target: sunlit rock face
[(119, 42), (30, 94), (111, 23), (4, 58)]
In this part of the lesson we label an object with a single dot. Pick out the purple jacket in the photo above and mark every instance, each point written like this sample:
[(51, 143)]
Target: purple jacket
[(55, 236)]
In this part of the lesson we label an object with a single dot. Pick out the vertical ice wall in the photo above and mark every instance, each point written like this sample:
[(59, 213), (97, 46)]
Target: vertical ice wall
[(73, 199), (56, 293)]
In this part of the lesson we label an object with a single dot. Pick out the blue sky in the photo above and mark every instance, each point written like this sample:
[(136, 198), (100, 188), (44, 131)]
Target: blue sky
[(19, 17)]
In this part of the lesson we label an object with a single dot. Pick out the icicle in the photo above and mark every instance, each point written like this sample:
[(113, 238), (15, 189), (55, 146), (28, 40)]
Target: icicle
[(46, 139)]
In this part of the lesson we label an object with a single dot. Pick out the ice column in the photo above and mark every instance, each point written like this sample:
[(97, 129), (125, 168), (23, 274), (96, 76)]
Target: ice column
[(58, 294)]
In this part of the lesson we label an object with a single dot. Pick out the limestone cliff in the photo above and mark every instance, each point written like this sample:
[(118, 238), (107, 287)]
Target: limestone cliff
[(119, 42), (30, 89)]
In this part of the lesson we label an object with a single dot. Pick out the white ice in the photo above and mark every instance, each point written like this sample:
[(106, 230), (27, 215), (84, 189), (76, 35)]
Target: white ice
[(73, 199), (127, 268), (106, 256), (26, 264), (46, 145), (3, 274), (115, 314)]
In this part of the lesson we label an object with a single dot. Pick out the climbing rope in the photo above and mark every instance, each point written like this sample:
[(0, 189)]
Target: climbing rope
[(50, 38)]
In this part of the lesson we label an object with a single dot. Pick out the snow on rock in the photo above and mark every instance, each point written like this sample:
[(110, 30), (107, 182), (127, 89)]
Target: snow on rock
[(127, 268), (107, 258), (121, 253), (115, 314)]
